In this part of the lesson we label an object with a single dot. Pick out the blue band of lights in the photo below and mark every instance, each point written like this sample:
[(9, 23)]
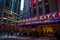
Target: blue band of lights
[(49, 20)]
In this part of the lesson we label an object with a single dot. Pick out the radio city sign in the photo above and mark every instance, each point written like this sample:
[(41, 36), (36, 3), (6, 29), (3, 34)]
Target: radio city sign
[(41, 18)]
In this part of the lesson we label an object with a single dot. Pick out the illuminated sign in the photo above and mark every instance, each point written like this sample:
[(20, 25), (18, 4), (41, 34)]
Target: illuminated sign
[(41, 19)]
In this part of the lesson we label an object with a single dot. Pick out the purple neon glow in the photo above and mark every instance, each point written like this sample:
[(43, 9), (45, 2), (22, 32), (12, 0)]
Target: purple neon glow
[(56, 19)]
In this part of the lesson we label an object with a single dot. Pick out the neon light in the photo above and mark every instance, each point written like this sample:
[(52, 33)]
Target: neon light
[(26, 20), (54, 15), (59, 14), (29, 19), (35, 18), (48, 15), (45, 17), (51, 17), (22, 5), (23, 20), (41, 18)]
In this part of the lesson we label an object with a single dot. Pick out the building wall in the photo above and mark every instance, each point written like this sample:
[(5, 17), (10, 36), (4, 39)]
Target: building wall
[(10, 11), (25, 9), (44, 7), (59, 5)]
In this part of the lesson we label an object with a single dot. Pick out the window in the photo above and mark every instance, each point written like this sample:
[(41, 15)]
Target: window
[(5, 14), (9, 22), (45, 1), (0, 14), (0, 4), (16, 24), (30, 12), (7, 4), (39, 0), (40, 7), (47, 6), (10, 15), (4, 21), (15, 6), (12, 23), (51, 5), (0, 20), (34, 12), (55, 5)]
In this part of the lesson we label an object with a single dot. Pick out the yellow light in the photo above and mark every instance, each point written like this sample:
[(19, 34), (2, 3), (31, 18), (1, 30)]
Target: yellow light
[(4, 18)]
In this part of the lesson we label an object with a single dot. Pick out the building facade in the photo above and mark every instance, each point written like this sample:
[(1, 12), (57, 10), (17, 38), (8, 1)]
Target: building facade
[(44, 17), (9, 16), (24, 12), (9, 12)]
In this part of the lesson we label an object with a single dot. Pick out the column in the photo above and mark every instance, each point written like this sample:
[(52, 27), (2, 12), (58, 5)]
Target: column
[(59, 5), (53, 5), (37, 8), (43, 7)]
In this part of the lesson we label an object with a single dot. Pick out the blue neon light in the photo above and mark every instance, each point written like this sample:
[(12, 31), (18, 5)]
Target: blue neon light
[(56, 19)]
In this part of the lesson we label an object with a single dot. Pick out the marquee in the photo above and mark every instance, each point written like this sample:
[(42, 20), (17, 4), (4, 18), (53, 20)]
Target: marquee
[(46, 18)]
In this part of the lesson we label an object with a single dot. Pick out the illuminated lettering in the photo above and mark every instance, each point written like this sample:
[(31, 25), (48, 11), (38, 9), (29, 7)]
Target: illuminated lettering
[(29, 19), (54, 15), (35, 18), (23, 20), (20, 21), (45, 17), (41, 17), (59, 14), (32, 19), (48, 15)]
